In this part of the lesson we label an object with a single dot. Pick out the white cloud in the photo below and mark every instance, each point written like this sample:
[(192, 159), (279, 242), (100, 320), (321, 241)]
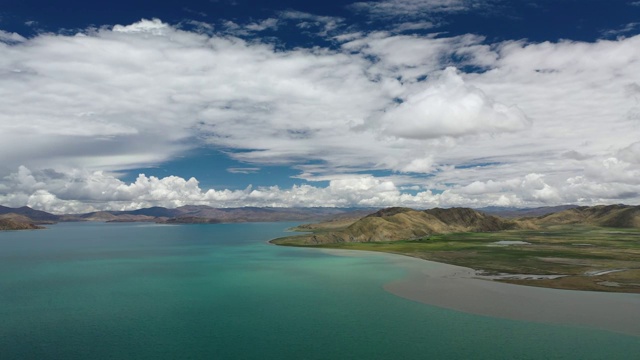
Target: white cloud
[(304, 20), (626, 29), (154, 27), (449, 107), (81, 191), (412, 57), (108, 100), (243, 170), (424, 165), (266, 24), (11, 38), (416, 8), (68, 193), (631, 153), (412, 26), (409, 7)]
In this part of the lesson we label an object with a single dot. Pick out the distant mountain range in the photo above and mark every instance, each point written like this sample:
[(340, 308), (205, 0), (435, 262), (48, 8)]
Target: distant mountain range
[(191, 214), (511, 212), (34, 215), (616, 216), (385, 224)]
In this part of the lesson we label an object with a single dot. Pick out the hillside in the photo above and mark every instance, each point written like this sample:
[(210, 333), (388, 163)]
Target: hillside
[(617, 216), (513, 213), (34, 215), (572, 249), (194, 214), (396, 223), (190, 220), (13, 221), (205, 214)]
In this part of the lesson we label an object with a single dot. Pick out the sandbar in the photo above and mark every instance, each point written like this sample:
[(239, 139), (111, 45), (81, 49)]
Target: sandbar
[(458, 288)]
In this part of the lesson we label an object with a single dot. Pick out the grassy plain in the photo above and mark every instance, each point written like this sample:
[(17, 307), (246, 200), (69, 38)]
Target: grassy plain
[(591, 258)]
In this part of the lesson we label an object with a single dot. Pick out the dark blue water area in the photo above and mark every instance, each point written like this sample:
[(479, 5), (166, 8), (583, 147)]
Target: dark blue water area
[(220, 291)]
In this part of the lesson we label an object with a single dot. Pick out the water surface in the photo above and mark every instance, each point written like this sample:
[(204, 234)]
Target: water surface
[(146, 291)]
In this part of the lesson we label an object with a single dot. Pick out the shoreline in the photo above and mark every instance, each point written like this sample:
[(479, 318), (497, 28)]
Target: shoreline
[(459, 288)]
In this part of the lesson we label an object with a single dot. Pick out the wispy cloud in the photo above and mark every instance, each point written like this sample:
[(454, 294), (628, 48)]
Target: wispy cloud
[(628, 29), (411, 8), (324, 24), (415, 9), (266, 24), (243, 170)]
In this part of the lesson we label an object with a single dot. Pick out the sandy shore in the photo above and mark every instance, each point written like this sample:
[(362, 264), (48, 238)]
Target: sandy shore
[(457, 288)]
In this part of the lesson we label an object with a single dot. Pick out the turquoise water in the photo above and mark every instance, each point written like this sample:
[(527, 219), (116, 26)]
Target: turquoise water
[(137, 291)]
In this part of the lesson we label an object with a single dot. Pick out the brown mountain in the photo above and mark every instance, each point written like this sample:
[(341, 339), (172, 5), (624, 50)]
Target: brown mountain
[(199, 213), (191, 220), (620, 216), (13, 221), (513, 213), (396, 223), (34, 215)]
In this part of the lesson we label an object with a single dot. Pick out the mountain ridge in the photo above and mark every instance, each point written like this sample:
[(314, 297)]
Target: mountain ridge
[(399, 223), (394, 224)]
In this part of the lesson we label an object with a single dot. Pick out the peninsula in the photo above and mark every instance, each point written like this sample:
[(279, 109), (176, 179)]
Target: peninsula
[(581, 248)]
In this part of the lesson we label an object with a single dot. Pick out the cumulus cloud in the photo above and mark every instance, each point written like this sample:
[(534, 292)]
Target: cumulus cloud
[(11, 38), (449, 107), (59, 193), (534, 123), (82, 191), (139, 94)]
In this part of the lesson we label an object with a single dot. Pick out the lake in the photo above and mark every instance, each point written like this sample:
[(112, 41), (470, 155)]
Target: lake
[(220, 291)]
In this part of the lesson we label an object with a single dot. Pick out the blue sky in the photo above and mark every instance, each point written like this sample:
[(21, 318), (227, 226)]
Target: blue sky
[(418, 103)]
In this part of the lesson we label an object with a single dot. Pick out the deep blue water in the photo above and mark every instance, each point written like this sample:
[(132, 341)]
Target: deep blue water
[(138, 291)]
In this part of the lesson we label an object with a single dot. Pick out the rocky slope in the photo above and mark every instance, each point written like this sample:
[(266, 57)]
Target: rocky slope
[(33, 215), (396, 223), (13, 221), (618, 216), (513, 213)]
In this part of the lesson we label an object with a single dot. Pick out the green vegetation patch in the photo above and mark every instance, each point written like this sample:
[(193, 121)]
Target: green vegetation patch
[(575, 251)]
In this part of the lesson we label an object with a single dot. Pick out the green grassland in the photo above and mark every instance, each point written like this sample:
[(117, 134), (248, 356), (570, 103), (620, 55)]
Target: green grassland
[(578, 251)]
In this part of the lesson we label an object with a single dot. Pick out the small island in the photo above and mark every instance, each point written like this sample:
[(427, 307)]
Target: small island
[(582, 248)]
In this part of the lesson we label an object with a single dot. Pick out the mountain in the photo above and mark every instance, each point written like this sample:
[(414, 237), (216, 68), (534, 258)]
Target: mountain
[(155, 211), (398, 223), (191, 220), (512, 212), (13, 221), (34, 215), (194, 214), (251, 214), (618, 216)]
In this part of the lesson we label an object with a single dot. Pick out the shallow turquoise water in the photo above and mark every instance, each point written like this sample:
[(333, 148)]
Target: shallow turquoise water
[(137, 291)]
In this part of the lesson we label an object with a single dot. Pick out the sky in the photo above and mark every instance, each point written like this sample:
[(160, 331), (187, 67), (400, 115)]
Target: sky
[(122, 105)]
